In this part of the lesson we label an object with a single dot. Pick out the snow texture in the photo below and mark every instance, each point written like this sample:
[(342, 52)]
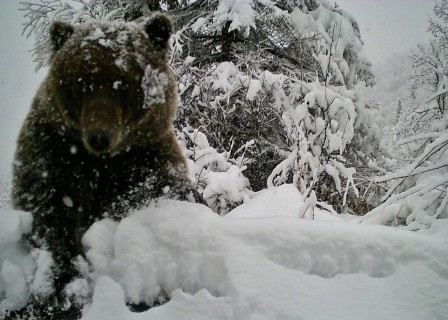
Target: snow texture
[(239, 12), (220, 181), (154, 85), (16, 268), (260, 261), (340, 39)]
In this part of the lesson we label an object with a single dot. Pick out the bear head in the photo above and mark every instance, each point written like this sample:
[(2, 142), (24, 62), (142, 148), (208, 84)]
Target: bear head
[(111, 81)]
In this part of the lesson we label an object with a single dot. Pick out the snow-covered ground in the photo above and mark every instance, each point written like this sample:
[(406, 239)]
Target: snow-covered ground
[(260, 261)]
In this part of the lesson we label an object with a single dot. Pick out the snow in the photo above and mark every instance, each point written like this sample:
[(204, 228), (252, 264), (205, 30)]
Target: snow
[(14, 282), (269, 268), (239, 12), (67, 201), (229, 183), (260, 261), (340, 35), (108, 304), (96, 34), (13, 225), (254, 87), (154, 85), (15, 266), (219, 180), (227, 77), (288, 202)]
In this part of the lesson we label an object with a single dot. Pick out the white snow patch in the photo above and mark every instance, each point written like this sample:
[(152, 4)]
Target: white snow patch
[(73, 149), (14, 224), (121, 63), (154, 85), (16, 267), (96, 34), (254, 88), (230, 183), (42, 284), (239, 12), (259, 262), (12, 279), (116, 84), (67, 201), (266, 266)]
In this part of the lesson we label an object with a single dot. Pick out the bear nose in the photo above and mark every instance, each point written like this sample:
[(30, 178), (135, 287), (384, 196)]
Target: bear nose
[(99, 139)]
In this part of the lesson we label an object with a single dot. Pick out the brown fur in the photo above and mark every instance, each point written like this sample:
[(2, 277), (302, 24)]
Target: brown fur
[(95, 85)]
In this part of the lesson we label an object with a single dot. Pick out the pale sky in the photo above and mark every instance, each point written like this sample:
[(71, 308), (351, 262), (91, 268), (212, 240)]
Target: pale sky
[(390, 26), (387, 27), (18, 81)]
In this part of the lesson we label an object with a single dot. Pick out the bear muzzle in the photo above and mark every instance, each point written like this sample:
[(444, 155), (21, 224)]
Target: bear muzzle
[(99, 140), (101, 122)]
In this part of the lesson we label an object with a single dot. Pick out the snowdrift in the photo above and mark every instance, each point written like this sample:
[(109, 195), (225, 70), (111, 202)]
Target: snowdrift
[(259, 262)]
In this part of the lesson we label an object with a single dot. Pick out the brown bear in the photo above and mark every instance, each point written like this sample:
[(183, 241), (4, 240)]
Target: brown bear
[(98, 139)]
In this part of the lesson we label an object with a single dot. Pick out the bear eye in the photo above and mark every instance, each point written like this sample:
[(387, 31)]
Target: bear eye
[(79, 88), (126, 87), (129, 92)]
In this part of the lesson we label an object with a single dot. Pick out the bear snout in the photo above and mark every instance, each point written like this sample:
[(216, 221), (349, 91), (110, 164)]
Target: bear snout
[(101, 123), (99, 139)]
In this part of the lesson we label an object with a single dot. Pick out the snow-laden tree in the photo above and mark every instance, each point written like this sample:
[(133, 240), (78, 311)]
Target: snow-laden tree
[(272, 86), (430, 68), (399, 101), (281, 74), (40, 14), (418, 193)]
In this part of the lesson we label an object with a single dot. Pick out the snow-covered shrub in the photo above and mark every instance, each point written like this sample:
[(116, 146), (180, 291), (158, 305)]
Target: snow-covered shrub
[(225, 103), (419, 193), (218, 178)]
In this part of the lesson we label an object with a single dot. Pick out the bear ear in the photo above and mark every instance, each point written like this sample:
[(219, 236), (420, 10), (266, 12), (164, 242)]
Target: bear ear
[(60, 32), (159, 28)]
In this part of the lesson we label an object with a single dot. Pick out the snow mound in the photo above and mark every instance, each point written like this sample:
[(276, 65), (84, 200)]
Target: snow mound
[(284, 200), (261, 261), (16, 267), (268, 267), (109, 296)]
